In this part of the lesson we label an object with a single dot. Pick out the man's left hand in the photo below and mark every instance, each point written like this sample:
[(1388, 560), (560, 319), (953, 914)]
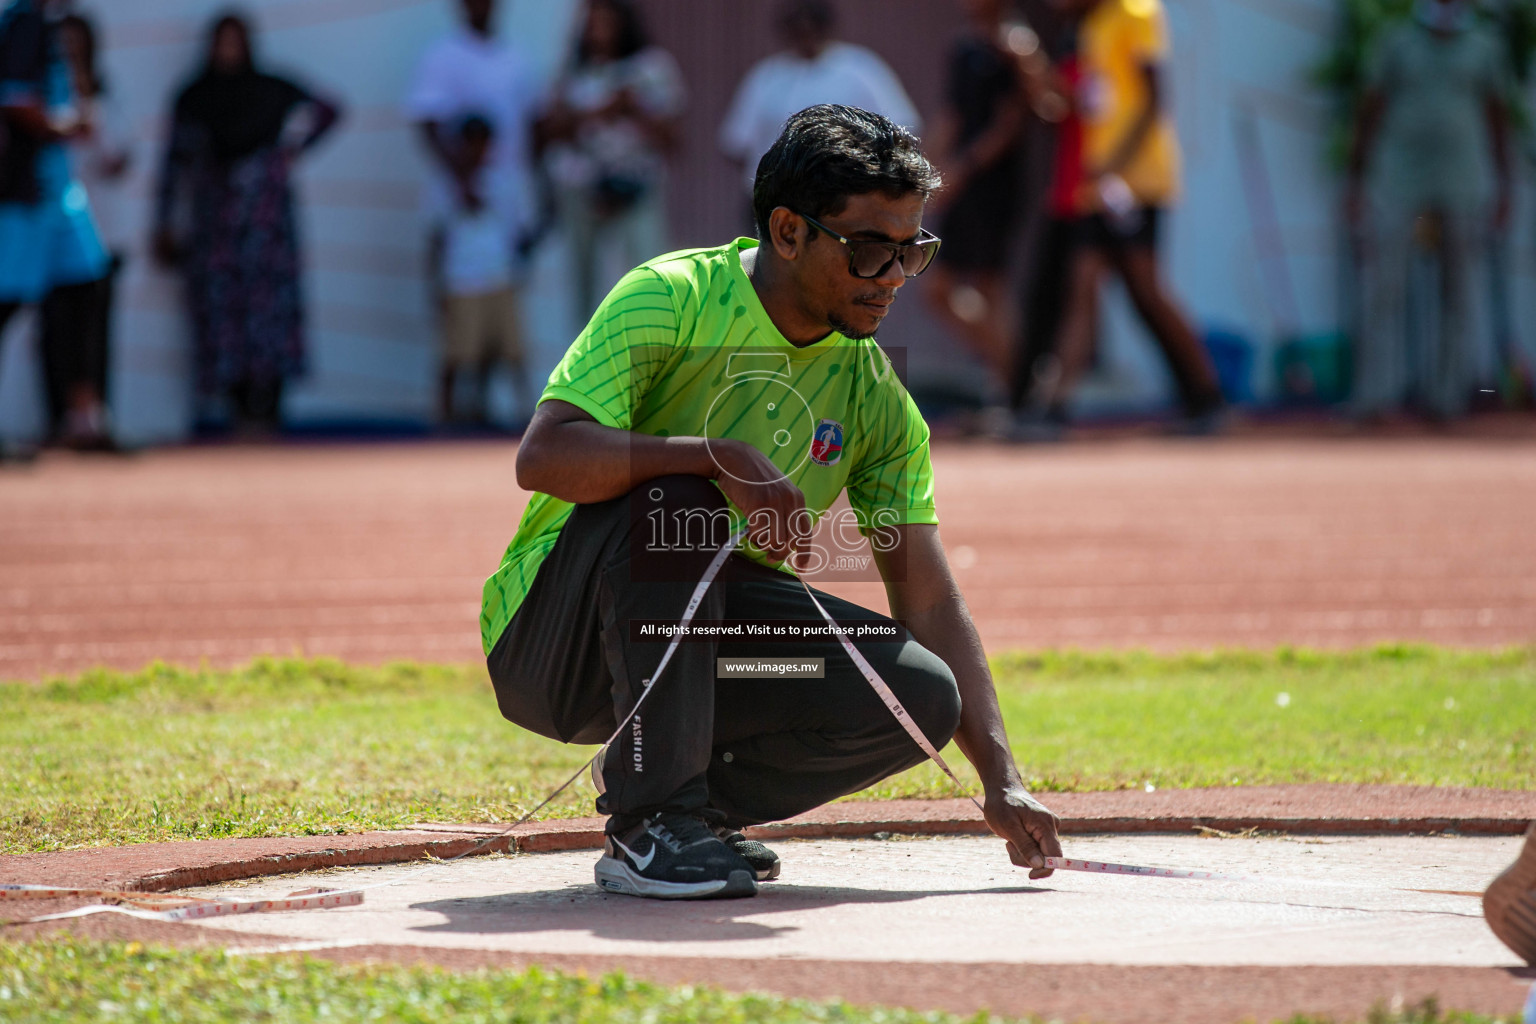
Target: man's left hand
[(1027, 826)]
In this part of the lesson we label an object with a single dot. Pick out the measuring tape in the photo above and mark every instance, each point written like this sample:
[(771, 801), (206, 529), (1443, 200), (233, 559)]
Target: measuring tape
[(886, 695), (153, 907), (1104, 868)]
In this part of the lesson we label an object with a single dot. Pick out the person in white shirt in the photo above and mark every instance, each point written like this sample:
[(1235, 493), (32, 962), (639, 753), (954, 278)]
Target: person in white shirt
[(478, 268), (104, 154), (613, 123), (471, 73), (814, 69)]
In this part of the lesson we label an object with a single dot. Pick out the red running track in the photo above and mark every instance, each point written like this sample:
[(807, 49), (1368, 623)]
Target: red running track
[(377, 552)]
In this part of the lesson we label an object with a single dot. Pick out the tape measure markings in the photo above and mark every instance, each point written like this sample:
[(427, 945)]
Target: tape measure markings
[(1107, 868)]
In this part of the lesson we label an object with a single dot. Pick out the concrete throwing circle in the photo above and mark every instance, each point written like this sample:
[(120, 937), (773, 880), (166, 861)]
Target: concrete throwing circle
[(951, 899)]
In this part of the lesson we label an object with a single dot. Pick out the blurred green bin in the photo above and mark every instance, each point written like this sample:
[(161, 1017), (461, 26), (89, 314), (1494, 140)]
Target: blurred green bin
[(1315, 369)]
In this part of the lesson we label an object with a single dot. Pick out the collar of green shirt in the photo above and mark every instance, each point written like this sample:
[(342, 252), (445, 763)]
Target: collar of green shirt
[(759, 315)]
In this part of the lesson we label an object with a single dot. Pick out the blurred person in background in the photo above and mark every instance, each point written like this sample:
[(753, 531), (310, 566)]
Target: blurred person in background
[(49, 246), (1125, 179), (1430, 171), (979, 144), (471, 74), (225, 218), (479, 269), (614, 119), (77, 327), (1050, 57), (815, 69)]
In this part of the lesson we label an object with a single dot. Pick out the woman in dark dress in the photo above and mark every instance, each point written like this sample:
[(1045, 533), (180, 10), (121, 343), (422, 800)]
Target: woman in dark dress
[(225, 217)]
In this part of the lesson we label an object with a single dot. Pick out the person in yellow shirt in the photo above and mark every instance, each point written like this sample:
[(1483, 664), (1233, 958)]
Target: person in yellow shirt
[(1128, 177)]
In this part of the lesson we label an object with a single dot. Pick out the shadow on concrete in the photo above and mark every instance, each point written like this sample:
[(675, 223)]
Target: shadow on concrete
[(588, 909)]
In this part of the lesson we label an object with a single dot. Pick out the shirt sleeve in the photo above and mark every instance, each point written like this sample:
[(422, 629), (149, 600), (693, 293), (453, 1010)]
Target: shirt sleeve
[(23, 59), (611, 366), (893, 482)]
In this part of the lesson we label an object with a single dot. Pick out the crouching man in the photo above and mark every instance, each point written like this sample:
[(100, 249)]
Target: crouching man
[(742, 385)]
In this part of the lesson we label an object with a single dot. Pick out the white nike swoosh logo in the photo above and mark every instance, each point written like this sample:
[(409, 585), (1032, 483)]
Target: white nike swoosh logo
[(640, 862)]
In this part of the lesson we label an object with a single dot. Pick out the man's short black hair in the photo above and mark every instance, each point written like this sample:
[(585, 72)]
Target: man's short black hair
[(829, 152)]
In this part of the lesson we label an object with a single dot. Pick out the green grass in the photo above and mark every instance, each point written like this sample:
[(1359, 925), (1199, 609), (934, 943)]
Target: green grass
[(69, 980), (72, 981), (314, 747), (1406, 715)]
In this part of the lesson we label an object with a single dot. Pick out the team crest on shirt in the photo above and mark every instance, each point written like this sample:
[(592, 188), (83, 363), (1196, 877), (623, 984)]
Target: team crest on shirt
[(827, 443)]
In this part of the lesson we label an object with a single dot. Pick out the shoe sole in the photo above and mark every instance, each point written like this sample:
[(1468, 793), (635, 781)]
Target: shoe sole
[(614, 875), (1509, 904), (769, 874)]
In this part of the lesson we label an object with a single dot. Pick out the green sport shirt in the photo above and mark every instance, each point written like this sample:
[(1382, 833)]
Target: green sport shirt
[(683, 347)]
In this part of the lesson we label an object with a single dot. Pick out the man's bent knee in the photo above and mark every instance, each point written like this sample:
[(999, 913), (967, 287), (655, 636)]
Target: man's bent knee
[(941, 718), (929, 693)]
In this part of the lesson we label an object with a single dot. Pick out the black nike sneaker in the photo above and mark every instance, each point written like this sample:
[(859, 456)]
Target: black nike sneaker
[(765, 863), (674, 857)]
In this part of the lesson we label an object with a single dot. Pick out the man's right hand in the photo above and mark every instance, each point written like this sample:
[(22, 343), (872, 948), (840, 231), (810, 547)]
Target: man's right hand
[(778, 522), (1032, 832)]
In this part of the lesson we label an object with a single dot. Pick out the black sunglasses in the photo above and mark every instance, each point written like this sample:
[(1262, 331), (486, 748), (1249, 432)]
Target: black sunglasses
[(868, 258)]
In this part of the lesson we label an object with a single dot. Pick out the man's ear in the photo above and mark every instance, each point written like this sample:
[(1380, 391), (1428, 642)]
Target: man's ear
[(787, 233)]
